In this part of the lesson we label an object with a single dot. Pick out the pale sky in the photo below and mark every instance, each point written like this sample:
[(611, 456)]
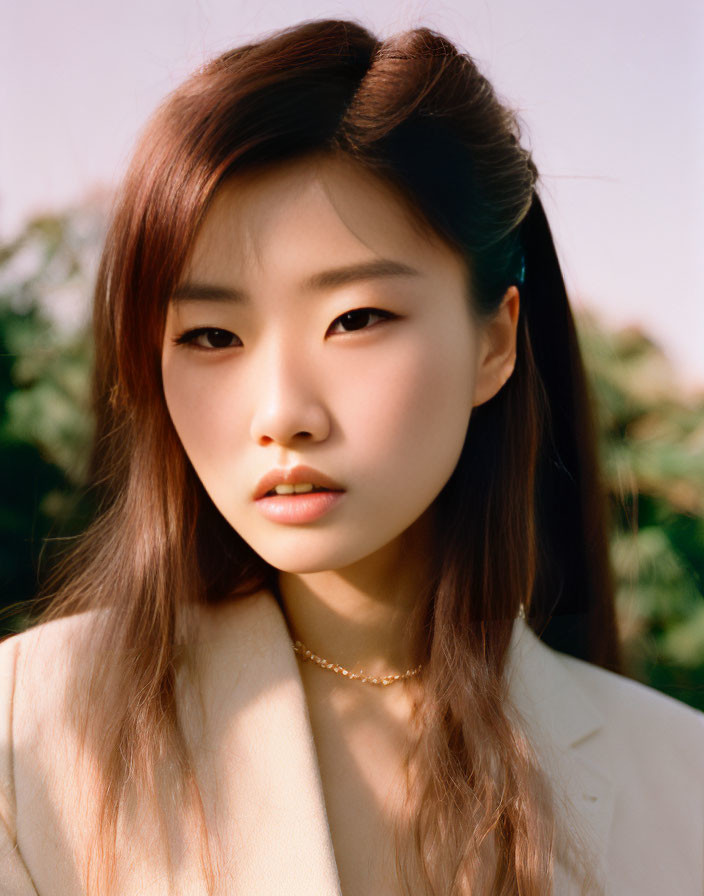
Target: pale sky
[(611, 94)]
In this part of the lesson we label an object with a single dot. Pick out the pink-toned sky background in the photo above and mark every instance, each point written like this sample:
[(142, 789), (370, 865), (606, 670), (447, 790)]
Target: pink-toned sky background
[(611, 93)]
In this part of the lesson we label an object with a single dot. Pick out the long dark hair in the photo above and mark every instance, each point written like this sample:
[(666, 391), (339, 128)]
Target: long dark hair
[(522, 517)]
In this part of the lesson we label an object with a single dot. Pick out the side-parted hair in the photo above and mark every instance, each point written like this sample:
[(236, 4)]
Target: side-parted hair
[(521, 520)]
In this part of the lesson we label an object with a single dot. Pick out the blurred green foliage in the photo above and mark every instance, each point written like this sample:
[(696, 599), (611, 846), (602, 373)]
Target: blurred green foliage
[(652, 449), (652, 446), (45, 422)]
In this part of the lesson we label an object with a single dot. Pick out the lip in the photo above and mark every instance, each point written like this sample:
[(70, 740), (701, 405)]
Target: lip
[(294, 476), (295, 509)]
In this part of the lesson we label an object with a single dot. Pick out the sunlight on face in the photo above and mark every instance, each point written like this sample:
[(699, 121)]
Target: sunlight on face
[(268, 363)]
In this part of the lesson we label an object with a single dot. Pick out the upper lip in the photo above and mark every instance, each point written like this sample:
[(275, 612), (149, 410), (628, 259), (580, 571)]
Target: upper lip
[(294, 476)]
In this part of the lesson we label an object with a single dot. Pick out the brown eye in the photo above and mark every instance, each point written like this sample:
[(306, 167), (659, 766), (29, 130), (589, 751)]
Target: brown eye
[(217, 338), (207, 338), (359, 318)]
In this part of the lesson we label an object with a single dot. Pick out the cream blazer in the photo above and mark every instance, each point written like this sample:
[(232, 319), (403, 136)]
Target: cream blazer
[(626, 759)]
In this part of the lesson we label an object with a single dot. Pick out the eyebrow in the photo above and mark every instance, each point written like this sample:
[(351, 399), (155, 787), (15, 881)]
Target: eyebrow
[(330, 279)]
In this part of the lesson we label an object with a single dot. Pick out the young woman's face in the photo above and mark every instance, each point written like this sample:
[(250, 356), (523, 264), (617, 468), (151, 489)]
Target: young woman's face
[(315, 324)]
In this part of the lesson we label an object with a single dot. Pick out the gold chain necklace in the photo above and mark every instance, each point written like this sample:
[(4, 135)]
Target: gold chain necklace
[(385, 680)]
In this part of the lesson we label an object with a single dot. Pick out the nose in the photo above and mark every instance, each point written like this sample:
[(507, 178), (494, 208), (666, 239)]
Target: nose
[(288, 405)]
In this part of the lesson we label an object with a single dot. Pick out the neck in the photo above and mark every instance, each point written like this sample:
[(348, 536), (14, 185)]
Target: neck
[(358, 616)]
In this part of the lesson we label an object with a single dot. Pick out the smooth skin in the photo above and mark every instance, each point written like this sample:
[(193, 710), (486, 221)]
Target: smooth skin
[(378, 399), (382, 408)]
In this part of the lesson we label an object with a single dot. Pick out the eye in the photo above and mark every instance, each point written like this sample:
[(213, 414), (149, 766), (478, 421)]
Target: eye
[(357, 319), (208, 338)]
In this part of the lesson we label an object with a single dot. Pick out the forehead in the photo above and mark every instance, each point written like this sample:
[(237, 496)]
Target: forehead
[(301, 216)]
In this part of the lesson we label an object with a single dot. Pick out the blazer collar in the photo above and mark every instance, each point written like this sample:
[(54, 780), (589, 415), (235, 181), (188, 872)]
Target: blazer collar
[(568, 731), (542, 686), (274, 791)]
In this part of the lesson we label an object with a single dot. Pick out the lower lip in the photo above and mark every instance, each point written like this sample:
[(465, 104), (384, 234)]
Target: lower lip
[(303, 508)]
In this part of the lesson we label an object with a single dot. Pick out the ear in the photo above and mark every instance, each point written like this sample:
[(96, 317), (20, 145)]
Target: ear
[(497, 348)]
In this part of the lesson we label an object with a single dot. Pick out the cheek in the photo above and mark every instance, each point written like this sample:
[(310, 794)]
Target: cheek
[(409, 411), (203, 410)]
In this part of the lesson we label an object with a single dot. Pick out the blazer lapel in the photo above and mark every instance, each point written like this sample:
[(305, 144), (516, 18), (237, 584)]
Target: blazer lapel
[(565, 725), (264, 786), (264, 776)]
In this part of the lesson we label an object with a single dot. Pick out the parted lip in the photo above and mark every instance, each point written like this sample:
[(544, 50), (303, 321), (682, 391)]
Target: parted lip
[(294, 476)]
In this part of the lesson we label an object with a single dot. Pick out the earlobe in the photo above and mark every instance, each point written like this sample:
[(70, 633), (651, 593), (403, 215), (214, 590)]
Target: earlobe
[(497, 351)]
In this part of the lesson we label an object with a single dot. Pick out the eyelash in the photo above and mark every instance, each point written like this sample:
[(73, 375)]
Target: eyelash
[(189, 337)]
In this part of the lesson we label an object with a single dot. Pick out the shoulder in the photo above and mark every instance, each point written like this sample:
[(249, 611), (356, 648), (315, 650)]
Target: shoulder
[(626, 760), (645, 768), (637, 710), (625, 724), (652, 743), (43, 652), (582, 690), (41, 643), (35, 670), (37, 662)]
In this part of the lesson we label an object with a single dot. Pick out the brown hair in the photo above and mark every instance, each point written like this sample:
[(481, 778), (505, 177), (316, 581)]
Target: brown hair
[(522, 515)]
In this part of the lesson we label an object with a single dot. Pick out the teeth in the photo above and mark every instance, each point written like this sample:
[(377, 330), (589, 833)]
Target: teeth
[(293, 489)]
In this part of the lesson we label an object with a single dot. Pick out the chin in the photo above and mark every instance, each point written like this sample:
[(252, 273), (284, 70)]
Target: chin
[(302, 557), (305, 561)]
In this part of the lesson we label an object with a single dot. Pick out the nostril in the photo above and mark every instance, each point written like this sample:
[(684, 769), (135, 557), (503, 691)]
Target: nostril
[(282, 425)]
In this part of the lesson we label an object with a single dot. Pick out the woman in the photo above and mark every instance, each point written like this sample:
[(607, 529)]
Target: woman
[(348, 473)]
